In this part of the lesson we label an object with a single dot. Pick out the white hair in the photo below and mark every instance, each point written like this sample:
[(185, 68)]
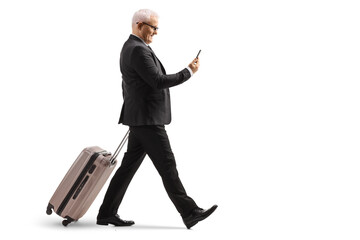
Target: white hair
[(143, 15)]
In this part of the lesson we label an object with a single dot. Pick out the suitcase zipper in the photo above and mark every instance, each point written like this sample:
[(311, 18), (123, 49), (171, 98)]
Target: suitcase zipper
[(77, 183)]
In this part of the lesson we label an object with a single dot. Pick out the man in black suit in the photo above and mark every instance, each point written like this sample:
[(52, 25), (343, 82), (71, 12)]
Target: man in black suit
[(146, 109)]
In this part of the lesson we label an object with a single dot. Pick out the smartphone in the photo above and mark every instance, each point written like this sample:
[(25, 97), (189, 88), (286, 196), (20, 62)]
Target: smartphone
[(198, 53)]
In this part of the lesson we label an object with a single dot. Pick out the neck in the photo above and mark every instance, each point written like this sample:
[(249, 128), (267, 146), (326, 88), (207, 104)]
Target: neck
[(137, 35)]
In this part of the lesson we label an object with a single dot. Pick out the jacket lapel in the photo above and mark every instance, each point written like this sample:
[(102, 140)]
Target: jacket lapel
[(157, 61)]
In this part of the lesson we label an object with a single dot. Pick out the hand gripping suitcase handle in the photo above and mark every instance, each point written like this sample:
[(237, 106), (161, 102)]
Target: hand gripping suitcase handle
[(117, 151)]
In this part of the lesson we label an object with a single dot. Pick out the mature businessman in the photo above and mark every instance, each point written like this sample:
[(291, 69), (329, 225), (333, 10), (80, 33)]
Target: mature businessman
[(146, 109)]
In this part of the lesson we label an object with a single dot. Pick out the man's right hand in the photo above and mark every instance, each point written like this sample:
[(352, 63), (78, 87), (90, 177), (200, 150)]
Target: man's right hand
[(194, 65)]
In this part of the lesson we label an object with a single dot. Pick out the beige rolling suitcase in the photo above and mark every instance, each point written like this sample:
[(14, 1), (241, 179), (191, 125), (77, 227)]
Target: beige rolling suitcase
[(83, 182)]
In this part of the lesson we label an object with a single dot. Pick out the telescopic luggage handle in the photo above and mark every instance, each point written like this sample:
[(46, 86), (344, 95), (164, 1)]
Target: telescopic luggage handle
[(117, 151)]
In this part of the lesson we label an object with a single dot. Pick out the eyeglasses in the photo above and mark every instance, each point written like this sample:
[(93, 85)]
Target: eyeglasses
[(153, 27)]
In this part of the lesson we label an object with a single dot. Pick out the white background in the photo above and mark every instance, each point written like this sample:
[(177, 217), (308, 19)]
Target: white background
[(268, 128)]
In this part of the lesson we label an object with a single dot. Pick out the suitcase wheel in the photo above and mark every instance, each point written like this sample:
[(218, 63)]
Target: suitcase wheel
[(66, 221), (49, 209)]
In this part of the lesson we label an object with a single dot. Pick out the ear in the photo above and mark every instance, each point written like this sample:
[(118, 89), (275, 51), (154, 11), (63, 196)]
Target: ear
[(139, 25)]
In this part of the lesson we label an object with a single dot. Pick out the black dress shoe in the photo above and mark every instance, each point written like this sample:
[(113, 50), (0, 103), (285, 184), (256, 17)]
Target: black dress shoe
[(115, 220), (197, 215)]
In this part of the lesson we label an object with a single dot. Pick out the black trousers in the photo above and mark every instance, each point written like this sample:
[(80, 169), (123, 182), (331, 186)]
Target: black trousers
[(151, 140)]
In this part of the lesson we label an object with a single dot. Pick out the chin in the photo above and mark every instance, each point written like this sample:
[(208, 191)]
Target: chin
[(149, 40)]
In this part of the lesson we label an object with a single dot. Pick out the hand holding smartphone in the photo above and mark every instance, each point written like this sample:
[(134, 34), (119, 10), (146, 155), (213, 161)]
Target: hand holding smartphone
[(194, 65)]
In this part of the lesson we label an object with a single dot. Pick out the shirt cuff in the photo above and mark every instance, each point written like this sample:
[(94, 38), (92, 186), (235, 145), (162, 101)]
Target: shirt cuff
[(191, 72)]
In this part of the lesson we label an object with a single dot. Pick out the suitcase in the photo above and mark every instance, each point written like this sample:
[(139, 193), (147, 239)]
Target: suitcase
[(83, 182)]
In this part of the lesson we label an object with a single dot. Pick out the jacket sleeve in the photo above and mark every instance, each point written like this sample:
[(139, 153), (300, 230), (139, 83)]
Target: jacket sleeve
[(143, 63)]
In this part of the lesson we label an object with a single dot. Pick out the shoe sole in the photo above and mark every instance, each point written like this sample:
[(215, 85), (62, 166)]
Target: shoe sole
[(116, 225)]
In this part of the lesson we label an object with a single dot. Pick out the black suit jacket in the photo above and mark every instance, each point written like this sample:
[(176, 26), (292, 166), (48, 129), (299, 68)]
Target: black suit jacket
[(145, 85)]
